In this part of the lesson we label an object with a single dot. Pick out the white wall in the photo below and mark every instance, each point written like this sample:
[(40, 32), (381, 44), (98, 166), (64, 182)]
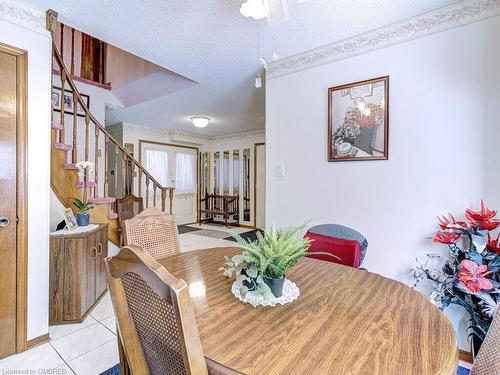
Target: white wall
[(443, 145), (38, 46)]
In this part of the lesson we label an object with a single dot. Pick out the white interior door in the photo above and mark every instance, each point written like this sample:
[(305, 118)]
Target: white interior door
[(175, 166), (260, 186)]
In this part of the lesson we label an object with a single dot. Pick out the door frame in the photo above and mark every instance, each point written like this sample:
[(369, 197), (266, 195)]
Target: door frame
[(197, 153), (21, 193), (255, 181)]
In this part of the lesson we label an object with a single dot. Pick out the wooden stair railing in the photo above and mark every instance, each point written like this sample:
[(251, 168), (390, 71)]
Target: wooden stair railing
[(98, 191)]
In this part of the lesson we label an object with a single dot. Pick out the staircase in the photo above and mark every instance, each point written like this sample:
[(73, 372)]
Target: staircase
[(78, 137)]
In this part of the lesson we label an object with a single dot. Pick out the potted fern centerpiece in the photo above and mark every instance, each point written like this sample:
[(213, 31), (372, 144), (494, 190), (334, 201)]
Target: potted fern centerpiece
[(262, 266)]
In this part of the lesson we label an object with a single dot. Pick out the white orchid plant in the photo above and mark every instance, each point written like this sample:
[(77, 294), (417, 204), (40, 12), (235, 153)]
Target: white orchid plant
[(85, 168)]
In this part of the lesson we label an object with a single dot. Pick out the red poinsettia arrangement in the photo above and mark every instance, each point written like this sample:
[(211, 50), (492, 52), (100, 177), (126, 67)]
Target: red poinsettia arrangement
[(470, 275)]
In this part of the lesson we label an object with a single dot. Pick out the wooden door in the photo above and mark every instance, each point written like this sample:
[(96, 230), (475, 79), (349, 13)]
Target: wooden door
[(102, 247), (89, 273), (8, 208)]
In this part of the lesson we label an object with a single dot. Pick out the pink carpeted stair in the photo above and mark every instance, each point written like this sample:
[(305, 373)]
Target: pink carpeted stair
[(90, 185)]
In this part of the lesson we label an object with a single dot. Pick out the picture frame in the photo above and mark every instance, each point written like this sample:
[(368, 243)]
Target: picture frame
[(69, 219), (358, 121), (68, 102)]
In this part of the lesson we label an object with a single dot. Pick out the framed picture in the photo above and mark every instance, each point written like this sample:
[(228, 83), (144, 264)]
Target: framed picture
[(358, 121), (69, 219), (69, 106)]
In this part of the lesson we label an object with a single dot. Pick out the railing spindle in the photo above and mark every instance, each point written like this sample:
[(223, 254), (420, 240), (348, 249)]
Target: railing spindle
[(131, 179), (139, 184), (106, 167), (124, 175), (171, 198), (96, 162), (163, 198), (61, 100), (116, 171), (147, 191), (61, 42), (74, 155), (72, 68), (87, 136), (154, 195)]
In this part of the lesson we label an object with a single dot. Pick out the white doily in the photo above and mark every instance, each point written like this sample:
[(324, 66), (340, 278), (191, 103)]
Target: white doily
[(290, 293)]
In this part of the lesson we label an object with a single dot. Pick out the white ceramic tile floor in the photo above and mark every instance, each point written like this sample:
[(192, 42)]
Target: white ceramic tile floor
[(90, 347), (97, 360)]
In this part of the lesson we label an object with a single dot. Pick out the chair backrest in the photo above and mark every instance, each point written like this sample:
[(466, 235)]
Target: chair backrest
[(128, 207), (487, 361), (154, 231), (155, 316)]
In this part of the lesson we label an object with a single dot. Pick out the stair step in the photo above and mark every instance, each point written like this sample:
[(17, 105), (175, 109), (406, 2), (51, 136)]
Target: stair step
[(102, 200), (70, 166), (81, 184), (63, 146), (56, 125)]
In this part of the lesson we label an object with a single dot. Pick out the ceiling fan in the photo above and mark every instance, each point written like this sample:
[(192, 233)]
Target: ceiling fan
[(273, 10)]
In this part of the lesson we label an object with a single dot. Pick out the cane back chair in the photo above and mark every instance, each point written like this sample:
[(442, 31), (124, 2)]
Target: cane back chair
[(154, 231), (157, 332)]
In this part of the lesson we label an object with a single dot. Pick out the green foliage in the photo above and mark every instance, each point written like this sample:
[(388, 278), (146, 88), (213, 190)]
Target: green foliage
[(274, 252), (82, 207)]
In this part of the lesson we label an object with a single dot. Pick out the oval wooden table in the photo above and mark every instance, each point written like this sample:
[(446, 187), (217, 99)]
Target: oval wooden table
[(345, 321)]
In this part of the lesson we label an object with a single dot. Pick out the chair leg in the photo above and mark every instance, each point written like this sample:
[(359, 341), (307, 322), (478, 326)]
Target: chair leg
[(124, 367)]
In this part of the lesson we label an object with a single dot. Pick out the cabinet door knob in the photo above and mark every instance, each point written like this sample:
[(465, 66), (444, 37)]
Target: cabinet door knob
[(99, 247), (95, 251), (4, 221)]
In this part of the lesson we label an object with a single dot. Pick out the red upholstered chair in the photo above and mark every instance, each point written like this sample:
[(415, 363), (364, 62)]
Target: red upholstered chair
[(346, 243)]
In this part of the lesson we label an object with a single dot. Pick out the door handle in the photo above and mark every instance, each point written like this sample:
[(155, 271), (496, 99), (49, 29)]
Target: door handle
[(4, 221), (99, 249)]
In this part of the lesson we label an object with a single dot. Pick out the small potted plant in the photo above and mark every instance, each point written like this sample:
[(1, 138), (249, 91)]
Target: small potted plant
[(83, 214), (263, 264)]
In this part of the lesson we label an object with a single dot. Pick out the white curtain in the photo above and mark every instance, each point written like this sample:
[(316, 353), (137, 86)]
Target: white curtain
[(186, 173), (156, 163)]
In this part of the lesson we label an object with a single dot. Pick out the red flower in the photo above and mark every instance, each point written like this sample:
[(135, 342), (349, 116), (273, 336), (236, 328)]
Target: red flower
[(493, 245), (473, 276), (484, 215), (449, 223), (447, 238), (489, 224)]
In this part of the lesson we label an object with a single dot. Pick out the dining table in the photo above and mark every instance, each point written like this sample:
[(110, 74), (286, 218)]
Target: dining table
[(345, 321)]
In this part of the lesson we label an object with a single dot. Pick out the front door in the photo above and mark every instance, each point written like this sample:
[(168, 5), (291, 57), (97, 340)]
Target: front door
[(174, 165), (8, 209)]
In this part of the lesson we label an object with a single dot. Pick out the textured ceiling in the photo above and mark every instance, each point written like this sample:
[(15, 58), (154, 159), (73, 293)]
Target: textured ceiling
[(209, 42)]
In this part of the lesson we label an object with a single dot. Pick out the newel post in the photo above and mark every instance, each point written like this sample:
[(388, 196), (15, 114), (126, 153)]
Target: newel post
[(51, 21)]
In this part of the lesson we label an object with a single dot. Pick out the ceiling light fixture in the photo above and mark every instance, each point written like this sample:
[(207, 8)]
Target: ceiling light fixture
[(256, 9), (200, 122)]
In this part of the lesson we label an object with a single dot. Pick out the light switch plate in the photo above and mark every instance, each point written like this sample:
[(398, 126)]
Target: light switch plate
[(280, 170)]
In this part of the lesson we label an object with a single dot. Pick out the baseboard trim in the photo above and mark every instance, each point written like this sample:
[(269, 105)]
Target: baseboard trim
[(38, 341), (465, 356)]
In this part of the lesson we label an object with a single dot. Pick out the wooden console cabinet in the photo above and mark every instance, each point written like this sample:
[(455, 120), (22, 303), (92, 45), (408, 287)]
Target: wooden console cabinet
[(76, 280)]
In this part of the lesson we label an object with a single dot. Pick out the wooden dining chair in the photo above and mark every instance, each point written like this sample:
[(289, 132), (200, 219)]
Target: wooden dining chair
[(126, 208), (487, 361), (154, 231), (157, 332)]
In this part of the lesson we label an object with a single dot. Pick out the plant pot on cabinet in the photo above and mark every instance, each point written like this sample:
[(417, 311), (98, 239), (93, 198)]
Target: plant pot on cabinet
[(276, 285), (82, 219)]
